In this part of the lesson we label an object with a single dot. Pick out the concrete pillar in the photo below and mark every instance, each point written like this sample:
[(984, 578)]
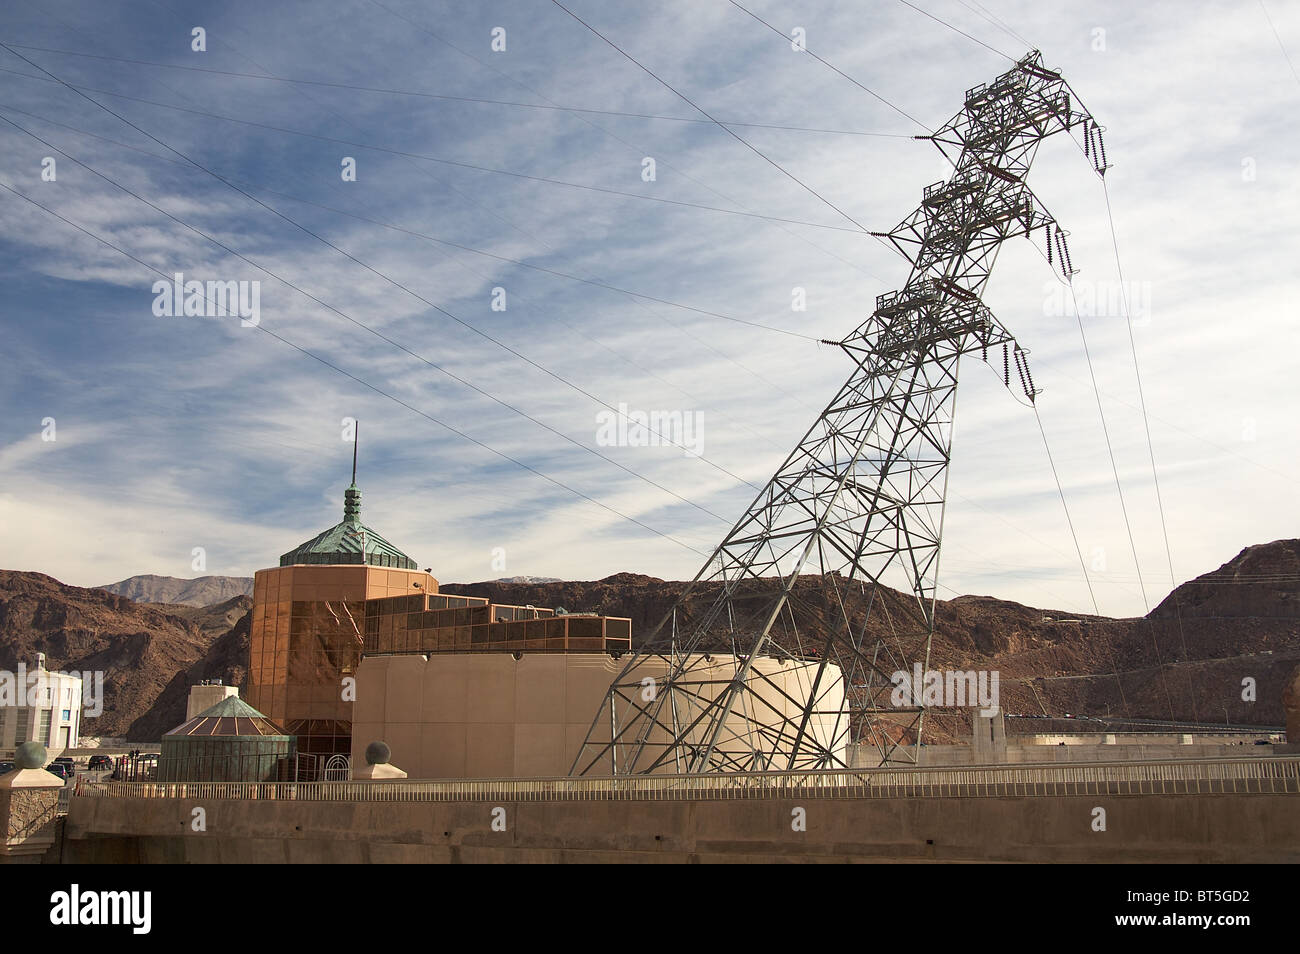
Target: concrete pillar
[(988, 737), (29, 807)]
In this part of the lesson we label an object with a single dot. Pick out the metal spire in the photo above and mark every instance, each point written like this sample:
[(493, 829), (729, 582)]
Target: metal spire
[(352, 496)]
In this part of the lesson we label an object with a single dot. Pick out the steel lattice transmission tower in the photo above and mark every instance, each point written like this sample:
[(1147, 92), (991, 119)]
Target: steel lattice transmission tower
[(803, 593)]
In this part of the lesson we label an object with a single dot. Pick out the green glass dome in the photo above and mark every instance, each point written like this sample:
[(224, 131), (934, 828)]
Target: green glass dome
[(349, 542), (230, 742)]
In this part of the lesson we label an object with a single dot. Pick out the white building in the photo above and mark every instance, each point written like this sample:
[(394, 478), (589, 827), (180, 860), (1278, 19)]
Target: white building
[(40, 706), (207, 694)]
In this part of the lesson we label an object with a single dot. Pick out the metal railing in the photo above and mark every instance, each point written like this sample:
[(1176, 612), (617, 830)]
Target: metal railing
[(1174, 777)]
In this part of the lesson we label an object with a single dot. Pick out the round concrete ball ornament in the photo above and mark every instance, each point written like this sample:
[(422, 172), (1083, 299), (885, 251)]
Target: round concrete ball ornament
[(30, 755), (378, 753)]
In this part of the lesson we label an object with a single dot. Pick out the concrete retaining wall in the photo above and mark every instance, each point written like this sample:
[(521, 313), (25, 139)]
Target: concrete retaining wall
[(1139, 828), (940, 755)]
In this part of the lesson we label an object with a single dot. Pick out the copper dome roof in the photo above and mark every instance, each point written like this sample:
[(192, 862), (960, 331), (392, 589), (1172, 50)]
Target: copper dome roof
[(231, 717)]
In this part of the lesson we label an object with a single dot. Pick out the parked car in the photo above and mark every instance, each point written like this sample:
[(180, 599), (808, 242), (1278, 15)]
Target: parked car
[(59, 769), (69, 761), (98, 762), (6, 767)]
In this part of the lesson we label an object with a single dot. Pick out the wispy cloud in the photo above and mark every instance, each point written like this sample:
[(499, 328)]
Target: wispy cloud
[(194, 432)]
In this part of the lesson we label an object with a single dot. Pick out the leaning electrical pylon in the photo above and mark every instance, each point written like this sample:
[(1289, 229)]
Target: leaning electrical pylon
[(781, 650)]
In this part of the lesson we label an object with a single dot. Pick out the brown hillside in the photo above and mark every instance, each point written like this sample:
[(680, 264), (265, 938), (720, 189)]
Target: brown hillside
[(138, 648), (226, 659), (1242, 620), (1185, 662)]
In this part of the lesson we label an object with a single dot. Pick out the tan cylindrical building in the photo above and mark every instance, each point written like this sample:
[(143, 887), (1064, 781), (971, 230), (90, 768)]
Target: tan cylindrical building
[(490, 715)]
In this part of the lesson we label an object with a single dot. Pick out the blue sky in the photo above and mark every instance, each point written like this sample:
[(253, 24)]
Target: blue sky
[(176, 433)]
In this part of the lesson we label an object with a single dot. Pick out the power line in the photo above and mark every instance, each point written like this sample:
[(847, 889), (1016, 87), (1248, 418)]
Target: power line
[(1077, 549), (773, 163), (270, 77), (489, 65), (638, 150), (376, 272), (499, 216), (635, 296), (1163, 421), (832, 66), (367, 384), (437, 159), (992, 18), (1281, 46), (384, 337), (595, 283), (1146, 424), (306, 96), (1120, 491), (1064, 506), (945, 23)]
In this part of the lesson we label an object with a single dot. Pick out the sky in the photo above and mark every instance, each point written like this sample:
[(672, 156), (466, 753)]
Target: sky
[(476, 229)]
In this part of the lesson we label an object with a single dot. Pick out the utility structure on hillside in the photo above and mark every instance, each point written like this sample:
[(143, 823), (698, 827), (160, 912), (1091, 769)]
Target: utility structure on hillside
[(858, 506)]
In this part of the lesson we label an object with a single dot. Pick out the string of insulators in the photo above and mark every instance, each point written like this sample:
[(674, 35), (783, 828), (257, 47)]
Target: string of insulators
[(1006, 367), (1048, 232), (1063, 255), (1094, 148), (1026, 379)]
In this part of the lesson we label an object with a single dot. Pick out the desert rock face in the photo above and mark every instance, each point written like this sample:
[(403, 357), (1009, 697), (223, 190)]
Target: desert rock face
[(1184, 662), (1291, 706), (140, 649), (1258, 581)]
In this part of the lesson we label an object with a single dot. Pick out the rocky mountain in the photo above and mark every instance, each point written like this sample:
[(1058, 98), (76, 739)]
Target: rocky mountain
[(226, 659), (1258, 578), (213, 621), (140, 649), (201, 591), (1184, 662)]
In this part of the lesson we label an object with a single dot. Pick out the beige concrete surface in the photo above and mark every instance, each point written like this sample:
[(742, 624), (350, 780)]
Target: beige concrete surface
[(490, 715), (203, 698), (1253, 828), (866, 756)]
